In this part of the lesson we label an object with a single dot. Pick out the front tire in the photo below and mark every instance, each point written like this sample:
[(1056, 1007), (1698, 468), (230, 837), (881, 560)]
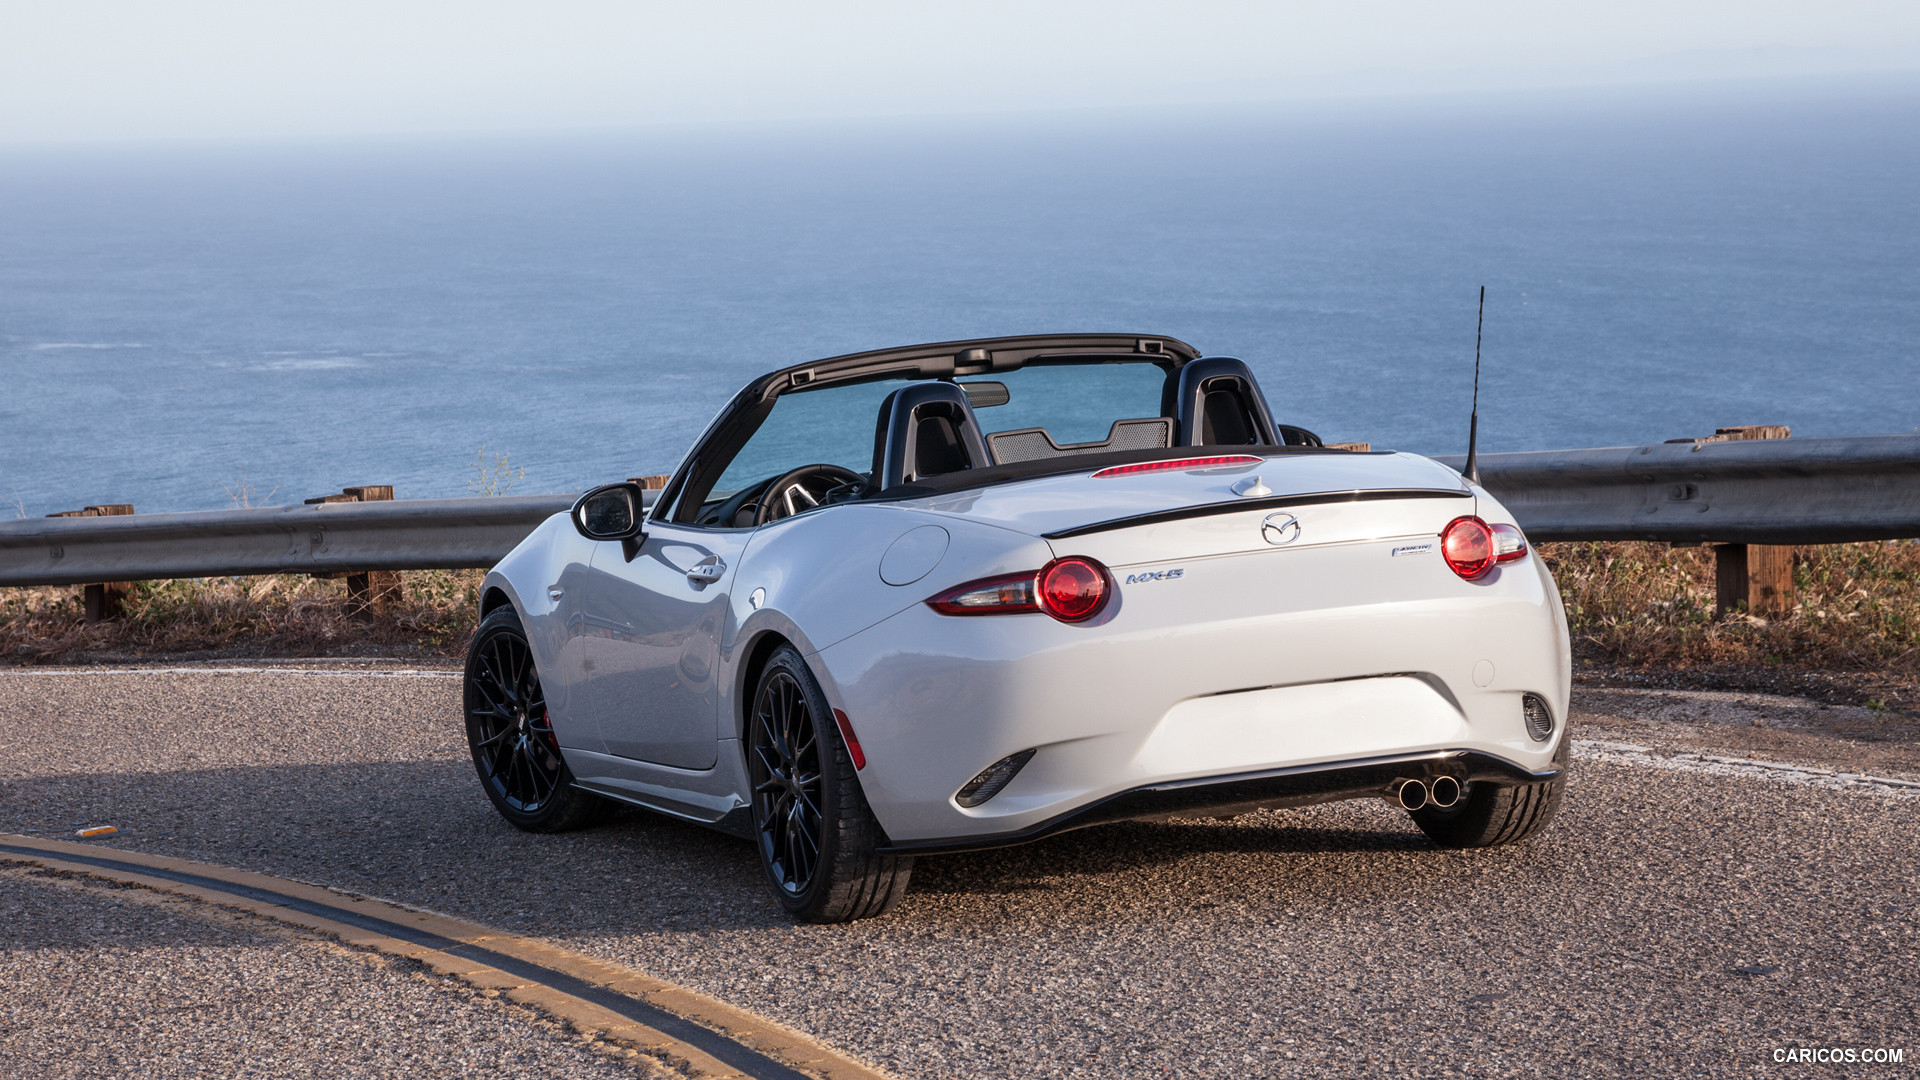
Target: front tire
[(1489, 815), (511, 735), (815, 833)]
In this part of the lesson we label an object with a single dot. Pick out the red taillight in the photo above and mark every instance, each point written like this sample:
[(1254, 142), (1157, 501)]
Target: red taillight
[(1179, 463), (1073, 589), (1467, 545)]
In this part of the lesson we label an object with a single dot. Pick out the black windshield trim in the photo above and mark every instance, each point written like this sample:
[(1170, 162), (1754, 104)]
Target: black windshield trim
[(685, 495)]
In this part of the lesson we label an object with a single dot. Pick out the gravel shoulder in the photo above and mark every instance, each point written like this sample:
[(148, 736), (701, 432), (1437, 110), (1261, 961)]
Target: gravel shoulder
[(1767, 727), (1672, 922)]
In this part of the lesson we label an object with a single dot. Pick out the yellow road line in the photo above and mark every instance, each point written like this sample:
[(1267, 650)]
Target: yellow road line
[(703, 1036)]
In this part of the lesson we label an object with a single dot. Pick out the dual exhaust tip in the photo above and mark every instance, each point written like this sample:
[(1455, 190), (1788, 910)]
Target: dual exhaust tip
[(1440, 792)]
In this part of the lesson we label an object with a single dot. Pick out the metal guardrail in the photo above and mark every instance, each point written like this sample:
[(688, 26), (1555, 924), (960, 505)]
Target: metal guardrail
[(1766, 491), (412, 534), (1775, 491)]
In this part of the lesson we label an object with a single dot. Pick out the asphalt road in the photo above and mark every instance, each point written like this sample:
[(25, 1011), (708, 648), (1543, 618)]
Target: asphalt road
[(1683, 917), (99, 981)]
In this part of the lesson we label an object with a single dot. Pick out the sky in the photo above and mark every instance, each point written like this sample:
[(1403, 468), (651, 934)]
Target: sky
[(107, 71)]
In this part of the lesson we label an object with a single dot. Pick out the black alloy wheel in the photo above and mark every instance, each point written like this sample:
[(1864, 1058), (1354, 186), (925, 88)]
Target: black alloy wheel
[(515, 750), (787, 795), (817, 837)]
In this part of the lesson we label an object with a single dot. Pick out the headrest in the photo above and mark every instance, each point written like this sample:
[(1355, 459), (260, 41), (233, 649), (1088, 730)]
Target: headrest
[(925, 429), (1218, 403)]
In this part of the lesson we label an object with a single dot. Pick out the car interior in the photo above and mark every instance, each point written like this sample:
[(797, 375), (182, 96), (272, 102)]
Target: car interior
[(929, 430)]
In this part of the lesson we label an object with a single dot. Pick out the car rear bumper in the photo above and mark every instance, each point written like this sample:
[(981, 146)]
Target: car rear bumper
[(1349, 659), (1215, 796)]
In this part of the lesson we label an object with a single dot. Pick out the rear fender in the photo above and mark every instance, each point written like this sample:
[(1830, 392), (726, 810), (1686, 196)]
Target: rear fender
[(762, 632), (815, 579), (1492, 512)]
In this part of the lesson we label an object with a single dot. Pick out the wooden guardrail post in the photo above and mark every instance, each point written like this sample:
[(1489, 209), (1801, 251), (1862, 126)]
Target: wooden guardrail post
[(1758, 576), (369, 592), (649, 483), (108, 599)]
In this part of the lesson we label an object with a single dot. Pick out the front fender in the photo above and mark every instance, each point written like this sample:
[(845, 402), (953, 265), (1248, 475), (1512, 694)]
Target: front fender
[(553, 555)]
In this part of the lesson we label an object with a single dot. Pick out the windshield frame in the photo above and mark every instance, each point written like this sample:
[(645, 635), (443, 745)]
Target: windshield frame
[(686, 492)]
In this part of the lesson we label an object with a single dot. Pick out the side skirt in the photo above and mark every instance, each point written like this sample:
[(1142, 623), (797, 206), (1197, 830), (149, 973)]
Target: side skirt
[(709, 797)]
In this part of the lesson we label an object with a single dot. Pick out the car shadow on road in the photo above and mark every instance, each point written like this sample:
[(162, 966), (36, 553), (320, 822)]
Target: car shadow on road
[(422, 833), (418, 832), (1135, 846)]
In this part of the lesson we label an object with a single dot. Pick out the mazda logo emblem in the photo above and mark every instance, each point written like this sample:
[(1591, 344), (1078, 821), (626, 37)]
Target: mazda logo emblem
[(1280, 528)]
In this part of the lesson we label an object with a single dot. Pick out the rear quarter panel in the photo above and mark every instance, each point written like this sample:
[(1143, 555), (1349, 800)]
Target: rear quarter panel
[(820, 573)]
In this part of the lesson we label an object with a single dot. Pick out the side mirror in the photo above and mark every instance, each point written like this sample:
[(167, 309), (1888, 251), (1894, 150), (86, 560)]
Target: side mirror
[(609, 512)]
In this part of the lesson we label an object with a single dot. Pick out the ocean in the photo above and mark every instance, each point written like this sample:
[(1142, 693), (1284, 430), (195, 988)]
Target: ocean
[(184, 327)]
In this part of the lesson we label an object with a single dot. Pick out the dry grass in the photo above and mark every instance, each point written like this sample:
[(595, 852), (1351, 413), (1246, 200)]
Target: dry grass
[(1633, 607), (276, 615), (1857, 608)]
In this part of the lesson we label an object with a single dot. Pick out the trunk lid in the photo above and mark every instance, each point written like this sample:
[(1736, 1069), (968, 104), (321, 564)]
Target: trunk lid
[(1147, 517)]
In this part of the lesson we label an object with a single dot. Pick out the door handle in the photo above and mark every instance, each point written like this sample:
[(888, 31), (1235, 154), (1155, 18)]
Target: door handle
[(707, 571)]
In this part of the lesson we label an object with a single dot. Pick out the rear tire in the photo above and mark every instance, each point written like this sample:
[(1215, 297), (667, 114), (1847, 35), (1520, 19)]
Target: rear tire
[(511, 735), (813, 828), (1489, 815)]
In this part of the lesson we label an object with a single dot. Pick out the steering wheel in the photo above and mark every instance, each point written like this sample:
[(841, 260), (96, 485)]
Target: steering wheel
[(802, 489)]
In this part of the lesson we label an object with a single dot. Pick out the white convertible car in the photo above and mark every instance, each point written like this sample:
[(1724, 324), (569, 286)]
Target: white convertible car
[(957, 596)]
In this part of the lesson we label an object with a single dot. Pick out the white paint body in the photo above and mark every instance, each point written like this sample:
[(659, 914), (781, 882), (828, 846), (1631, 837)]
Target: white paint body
[(1352, 640)]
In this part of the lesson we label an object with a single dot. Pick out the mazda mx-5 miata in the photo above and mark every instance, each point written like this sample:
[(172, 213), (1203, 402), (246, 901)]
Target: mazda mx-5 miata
[(957, 596)]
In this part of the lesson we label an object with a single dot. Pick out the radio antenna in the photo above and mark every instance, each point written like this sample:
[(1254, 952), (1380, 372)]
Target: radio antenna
[(1472, 470)]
